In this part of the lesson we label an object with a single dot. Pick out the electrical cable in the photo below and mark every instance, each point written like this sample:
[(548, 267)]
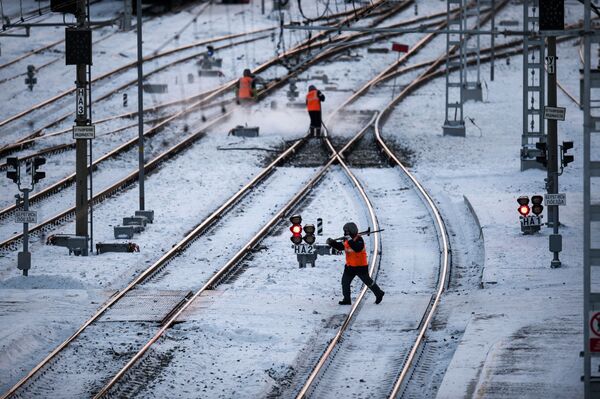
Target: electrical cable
[(313, 19)]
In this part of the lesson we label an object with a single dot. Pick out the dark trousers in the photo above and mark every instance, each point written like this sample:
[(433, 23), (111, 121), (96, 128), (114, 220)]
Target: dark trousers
[(315, 120), (363, 273)]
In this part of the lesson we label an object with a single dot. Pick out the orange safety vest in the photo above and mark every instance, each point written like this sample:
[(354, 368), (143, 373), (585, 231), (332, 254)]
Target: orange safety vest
[(355, 258), (312, 101), (245, 89)]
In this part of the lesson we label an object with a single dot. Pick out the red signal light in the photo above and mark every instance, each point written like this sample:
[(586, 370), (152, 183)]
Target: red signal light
[(524, 210), (296, 229)]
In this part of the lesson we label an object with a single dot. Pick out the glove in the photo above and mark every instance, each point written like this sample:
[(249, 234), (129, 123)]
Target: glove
[(330, 241)]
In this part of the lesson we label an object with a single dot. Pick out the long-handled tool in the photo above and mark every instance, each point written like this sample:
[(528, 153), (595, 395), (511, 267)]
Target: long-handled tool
[(367, 232)]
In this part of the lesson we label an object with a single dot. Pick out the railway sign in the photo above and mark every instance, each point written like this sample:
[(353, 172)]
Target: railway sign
[(555, 113), (303, 249), (594, 323), (559, 199), (80, 100), (399, 47), (531, 220), (84, 132), (551, 65), (25, 217)]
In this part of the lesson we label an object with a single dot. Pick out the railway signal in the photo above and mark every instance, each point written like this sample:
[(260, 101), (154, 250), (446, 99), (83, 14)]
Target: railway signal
[(13, 169), (565, 158), (523, 205), (530, 223), (37, 175), (309, 237), (543, 157), (25, 216), (296, 229), (30, 80), (537, 208)]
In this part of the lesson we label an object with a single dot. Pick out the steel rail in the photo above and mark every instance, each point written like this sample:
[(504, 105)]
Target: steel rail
[(21, 144), (372, 269), (69, 179), (131, 65), (440, 227), (302, 47), (232, 262), (113, 91), (140, 278), (175, 250)]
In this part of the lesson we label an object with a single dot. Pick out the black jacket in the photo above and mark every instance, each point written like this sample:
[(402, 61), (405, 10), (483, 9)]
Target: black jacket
[(357, 244)]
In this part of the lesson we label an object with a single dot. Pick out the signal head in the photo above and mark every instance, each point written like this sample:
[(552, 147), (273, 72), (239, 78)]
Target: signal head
[(524, 210), (38, 161), (567, 145), (309, 237), (296, 229), (296, 219), (523, 200), (309, 228), (536, 199)]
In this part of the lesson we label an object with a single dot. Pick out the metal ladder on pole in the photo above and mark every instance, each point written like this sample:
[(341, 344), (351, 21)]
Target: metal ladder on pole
[(472, 49), (591, 209), (534, 49), (454, 124)]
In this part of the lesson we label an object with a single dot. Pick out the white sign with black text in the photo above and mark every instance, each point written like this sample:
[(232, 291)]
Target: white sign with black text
[(555, 113), (84, 132), (25, 217), (559, 199)]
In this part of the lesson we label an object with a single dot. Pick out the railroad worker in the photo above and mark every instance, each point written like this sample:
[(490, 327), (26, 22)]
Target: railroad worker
[(314, 98), (353, 246), (246, 88)]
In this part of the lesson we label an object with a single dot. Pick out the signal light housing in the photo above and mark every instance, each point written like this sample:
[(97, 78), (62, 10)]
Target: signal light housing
[(543, 157), (523, 205), (38, 175), (13, 169), (537, 208), (309, 237), (566, 158), (296, 229)]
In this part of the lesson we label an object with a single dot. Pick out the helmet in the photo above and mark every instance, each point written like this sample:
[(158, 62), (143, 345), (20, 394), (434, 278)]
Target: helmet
[(247, 72), (311, 87), (350, 229)]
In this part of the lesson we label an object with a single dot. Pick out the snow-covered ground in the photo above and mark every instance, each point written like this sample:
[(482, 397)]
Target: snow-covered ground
[(508, 325)]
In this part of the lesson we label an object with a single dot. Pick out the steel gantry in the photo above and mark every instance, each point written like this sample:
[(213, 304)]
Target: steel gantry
[(591, 207), (533, 86), (472, 50), (454, 123)]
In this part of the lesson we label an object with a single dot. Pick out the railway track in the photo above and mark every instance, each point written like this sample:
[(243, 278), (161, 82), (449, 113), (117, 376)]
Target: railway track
[(176, 249), (122, 69), (48, 224)]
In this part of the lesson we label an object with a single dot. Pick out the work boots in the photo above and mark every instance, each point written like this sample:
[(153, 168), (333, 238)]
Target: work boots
[(345, 302), (379, 293)]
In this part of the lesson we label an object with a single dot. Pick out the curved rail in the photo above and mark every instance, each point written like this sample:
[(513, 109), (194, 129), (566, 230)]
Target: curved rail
[(213, 281)]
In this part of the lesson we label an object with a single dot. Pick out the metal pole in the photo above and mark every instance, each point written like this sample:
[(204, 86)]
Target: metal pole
[(81, 171), (552, 181), (140, 104), (26, 233), (493, 52), (127, 8), (587, 270), (262, 7)]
